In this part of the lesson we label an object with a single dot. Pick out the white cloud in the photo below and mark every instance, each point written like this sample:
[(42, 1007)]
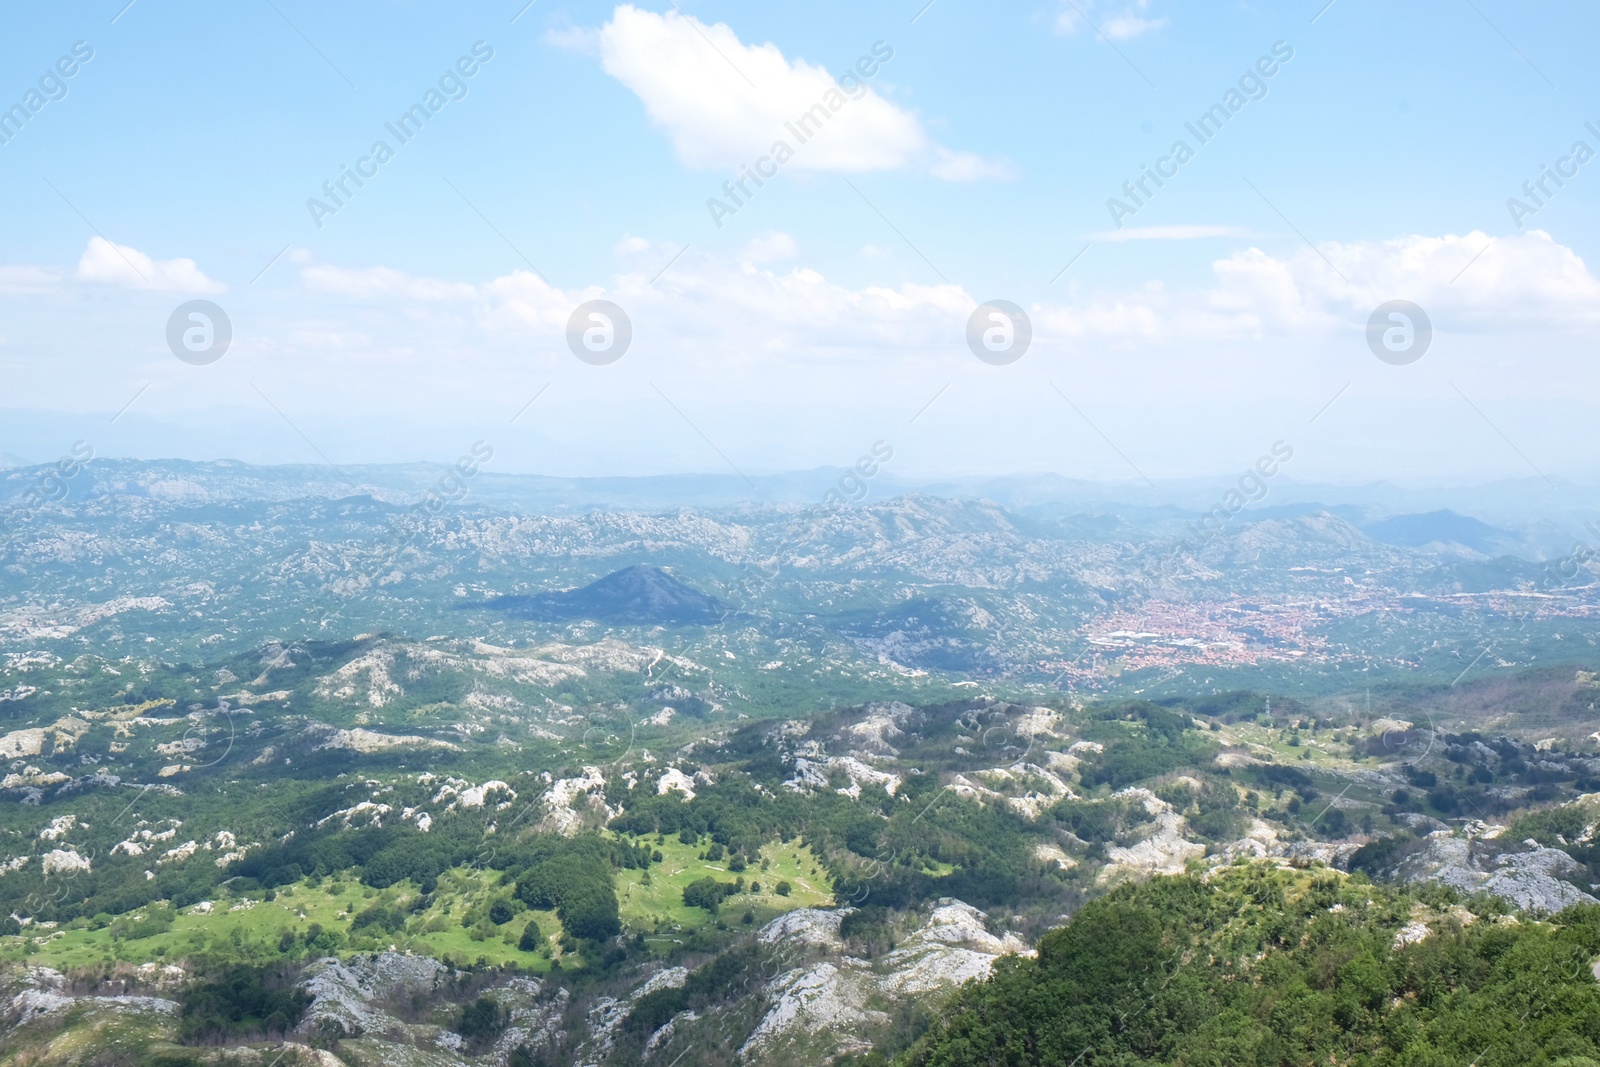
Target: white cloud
[(1121, 25), (113, 264), (751, 311), (770, 247), (953, 166), (372, 283), (1523, 282), (522, 299), (1125, 27), (782, 366), (1169, 233), (691, 78), (575, 39), (724, 103), (632, 246), (25, 279)]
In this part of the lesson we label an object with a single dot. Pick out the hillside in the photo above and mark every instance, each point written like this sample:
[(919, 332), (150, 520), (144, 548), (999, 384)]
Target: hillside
[(340, 781)]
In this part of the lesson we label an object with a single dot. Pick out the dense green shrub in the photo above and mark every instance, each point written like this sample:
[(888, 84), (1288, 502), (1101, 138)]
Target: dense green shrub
[(382, 916), (481, 1023), (579, 886), (716, 980), (240, 1002), (1258, 967), (707, 893)]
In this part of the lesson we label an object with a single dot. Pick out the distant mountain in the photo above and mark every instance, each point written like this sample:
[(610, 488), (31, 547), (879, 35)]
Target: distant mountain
[(1480, 576), (924, 633), (1162, 509), (633, 596), (1348, 512), (1445, 527)]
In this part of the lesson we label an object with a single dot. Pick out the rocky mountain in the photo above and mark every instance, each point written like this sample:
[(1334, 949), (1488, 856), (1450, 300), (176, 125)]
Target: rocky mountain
[(341, 779), (1442, 527)]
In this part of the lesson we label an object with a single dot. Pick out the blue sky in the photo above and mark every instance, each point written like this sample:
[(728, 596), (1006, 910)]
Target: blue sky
[(828, 310)]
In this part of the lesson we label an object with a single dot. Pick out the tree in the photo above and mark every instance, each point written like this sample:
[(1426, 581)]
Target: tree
[(707, 893), (481, 1022), (590, 911), (579, 887)]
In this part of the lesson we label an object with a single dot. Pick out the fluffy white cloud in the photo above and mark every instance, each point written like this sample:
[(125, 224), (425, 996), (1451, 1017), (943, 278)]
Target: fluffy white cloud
[(784, 367), (746, 305), (24, 279), (378, 282), (1466, 283), (114, 264), (953, 166), (724, 103), (1120, 25), (770, 247), (1124, 27), (739, 300)]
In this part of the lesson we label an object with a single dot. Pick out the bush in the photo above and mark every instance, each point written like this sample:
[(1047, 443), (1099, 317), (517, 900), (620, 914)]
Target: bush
[(157, 919), (241, 1002), (868, 930), (1093, 821), (711, 983), (579, 887), (1381, 855), (1553, 827), (1185, 971), (481, 1022), (590, 911), (320, 942), (707, 893), (782, 889), (380, 915)]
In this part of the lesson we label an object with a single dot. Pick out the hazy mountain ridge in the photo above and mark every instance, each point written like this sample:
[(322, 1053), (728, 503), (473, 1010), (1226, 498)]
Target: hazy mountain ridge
[(1530, 503)]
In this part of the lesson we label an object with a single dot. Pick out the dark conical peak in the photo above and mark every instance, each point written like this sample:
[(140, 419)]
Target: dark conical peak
[(636, 596)]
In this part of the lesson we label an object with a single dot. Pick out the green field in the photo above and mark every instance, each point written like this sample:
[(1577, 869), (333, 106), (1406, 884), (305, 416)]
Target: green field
[(248, 926), (657, 910)]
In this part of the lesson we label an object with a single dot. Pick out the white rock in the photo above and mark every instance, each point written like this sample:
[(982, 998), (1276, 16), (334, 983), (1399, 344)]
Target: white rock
[(59, 827), (64, 860), (811, 999), (675, 779), (806, 926)]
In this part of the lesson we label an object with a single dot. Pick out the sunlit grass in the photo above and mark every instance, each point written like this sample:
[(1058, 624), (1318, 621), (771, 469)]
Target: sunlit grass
[(246, 927), (657, 910)]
